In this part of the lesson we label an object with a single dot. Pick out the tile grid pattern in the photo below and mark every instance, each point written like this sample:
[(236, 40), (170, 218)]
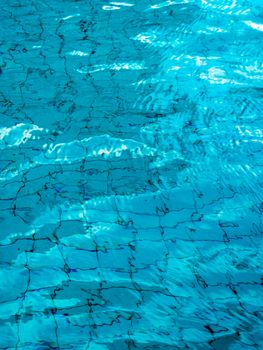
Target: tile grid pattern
[(125, 222)]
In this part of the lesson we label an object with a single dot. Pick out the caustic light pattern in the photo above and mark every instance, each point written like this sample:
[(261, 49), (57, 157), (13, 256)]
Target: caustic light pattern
[(131, 181)]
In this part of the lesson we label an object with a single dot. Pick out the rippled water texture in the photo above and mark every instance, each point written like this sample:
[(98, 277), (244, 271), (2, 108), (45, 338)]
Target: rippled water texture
[(131, 180)]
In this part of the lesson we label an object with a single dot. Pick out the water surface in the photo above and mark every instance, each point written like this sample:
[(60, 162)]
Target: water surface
[(131, 174)]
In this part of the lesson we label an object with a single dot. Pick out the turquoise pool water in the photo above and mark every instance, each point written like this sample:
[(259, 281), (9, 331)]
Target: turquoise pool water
[(131, 174)]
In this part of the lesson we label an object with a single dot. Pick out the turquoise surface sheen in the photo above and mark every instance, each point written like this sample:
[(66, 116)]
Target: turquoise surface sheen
[(131, 180)]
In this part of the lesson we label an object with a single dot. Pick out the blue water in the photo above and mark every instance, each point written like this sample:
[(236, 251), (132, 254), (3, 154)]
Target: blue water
[(131, 197)]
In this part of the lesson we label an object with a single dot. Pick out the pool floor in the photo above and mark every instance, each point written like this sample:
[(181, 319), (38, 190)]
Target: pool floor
[(131, 197)]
